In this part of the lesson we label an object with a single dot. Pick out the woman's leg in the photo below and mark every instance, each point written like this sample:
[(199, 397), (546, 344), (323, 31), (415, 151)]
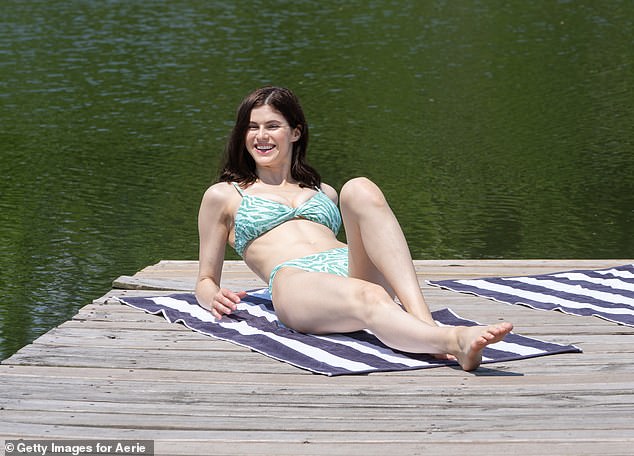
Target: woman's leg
[(378, 251), (315, 302)]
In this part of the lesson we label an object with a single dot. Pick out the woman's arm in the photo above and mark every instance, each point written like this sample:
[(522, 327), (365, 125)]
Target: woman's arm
[(215, 218)]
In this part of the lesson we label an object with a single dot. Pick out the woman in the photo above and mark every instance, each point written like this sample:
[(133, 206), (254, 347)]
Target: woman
[(272, 207)]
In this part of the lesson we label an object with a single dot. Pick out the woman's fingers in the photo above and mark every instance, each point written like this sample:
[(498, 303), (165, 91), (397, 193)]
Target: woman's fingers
[(226, 302)]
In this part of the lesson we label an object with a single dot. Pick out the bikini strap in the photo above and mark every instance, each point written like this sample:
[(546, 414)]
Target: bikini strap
[(235, 184)]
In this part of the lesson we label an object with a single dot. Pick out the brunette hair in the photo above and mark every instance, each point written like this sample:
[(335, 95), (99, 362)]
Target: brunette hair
[(238, 165)]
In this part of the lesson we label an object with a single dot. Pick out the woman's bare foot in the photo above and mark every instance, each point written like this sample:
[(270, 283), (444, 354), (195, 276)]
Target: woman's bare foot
[(473, 339)]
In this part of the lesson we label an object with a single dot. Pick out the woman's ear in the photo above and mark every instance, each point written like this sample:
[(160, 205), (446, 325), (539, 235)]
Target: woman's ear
[(296, 133)]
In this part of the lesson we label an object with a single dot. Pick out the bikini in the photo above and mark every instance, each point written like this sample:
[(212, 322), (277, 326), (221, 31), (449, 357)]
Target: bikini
[(257, 215)]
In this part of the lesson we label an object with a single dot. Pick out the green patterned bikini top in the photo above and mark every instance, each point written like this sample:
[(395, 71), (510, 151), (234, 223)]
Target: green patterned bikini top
[(257, 215)]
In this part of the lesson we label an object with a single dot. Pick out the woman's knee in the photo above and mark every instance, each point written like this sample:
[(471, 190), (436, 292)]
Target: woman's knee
[(361, 192), (368, 299)]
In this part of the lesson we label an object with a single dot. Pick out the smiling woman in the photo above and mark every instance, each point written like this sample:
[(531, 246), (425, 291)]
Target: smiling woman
[(286, 233)]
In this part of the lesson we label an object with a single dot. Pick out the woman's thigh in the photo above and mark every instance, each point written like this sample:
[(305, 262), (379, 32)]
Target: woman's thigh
[(355, 195), (319, 302)]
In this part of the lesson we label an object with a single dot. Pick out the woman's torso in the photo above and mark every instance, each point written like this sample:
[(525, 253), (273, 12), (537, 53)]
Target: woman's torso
[(273, 225)]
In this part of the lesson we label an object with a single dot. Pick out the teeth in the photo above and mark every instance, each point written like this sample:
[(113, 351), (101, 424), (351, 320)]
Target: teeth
[(264, 147)]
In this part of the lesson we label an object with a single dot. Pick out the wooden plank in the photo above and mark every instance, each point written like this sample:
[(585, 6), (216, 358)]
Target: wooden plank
[(425, 445), (279, 437), (269, 421)]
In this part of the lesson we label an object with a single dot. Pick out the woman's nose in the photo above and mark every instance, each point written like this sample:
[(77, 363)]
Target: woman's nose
[(262, 133)]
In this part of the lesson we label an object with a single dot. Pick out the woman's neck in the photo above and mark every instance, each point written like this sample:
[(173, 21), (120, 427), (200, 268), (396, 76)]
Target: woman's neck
[(275, 176)]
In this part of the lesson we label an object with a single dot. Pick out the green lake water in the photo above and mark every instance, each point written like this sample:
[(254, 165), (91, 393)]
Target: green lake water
[(496, 129)]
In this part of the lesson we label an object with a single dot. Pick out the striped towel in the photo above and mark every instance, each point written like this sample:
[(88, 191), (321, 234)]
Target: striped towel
[(605, 293), (254, 325)]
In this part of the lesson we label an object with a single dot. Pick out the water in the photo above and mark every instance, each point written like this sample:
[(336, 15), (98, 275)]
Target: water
[(496, 129)]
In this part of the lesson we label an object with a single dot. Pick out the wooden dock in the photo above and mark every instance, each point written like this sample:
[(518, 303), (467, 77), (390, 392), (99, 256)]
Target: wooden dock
[(113, 372)]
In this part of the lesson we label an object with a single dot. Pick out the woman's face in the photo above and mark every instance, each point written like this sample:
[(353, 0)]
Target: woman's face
[(269, 137)]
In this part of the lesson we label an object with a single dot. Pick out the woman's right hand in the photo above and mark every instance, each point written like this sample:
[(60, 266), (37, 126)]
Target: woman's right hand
[(225, 302)]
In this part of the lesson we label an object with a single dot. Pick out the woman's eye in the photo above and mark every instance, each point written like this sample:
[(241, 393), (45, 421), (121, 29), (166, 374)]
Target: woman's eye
[(270, 127)]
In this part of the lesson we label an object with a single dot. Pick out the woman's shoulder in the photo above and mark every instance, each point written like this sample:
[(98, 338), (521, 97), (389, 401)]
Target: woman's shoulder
[(221, 194), (330, 192)]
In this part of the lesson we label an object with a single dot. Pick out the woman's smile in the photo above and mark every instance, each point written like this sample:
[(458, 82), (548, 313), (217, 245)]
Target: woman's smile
[(264, 148)]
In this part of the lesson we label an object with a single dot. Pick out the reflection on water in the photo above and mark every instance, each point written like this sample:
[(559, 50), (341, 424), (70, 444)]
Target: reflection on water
[(496, 130)]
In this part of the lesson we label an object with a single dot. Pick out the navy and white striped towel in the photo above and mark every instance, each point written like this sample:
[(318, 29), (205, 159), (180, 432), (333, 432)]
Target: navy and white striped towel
[(605, 293), (254, 325)]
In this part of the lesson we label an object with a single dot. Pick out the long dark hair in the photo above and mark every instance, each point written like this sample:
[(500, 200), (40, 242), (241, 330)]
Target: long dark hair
[(238, 165)]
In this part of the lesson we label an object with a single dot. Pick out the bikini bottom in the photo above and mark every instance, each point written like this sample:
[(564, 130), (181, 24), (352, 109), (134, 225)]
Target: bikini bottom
[(334, 261)]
